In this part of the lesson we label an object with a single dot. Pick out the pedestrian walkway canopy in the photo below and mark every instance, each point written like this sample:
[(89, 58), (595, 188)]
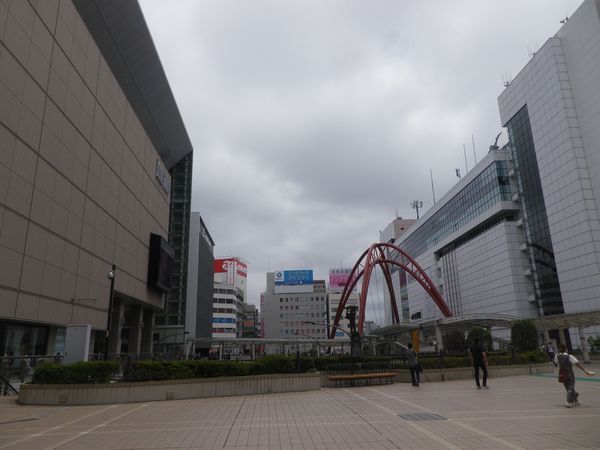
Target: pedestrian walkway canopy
[(580, 319)]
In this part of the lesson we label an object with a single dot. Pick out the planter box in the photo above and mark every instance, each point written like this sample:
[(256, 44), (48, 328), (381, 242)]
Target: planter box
[(147, 391)]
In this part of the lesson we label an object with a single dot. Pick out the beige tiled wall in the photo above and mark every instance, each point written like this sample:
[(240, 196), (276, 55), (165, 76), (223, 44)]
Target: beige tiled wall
[(77, 184)]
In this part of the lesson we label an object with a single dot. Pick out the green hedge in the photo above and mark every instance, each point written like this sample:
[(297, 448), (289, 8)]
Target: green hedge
[(77, 373), (105, 371), (179, 370)]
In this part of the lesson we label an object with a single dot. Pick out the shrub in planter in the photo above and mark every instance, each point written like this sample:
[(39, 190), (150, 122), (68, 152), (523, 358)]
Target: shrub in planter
[(84, 372), (160, 370), (275, 364)]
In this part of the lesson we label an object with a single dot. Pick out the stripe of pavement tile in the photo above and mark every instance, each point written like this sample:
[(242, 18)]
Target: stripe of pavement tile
[(96, 427), (421, 429), (454, 421), (12, 444)]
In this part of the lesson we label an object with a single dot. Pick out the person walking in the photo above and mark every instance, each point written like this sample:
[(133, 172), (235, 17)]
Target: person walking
[(566, 376), (412, 361), (479, 361)]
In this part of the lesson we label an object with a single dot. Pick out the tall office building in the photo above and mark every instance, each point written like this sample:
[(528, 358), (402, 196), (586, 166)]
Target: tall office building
[(230, 290), (90, 136), (169, 325), (470, 245), (291, 302), (199, 291), (520, 233), (551, 110)]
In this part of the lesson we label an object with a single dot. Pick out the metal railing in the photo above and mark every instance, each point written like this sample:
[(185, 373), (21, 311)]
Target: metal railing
[(7, 389)]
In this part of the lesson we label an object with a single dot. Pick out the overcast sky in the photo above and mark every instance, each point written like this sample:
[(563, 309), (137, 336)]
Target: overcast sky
[(313, 122)]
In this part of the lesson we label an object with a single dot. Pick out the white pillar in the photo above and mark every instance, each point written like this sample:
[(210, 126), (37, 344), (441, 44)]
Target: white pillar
[(584, 349), (561, 334), (439, 343), (546, 338)]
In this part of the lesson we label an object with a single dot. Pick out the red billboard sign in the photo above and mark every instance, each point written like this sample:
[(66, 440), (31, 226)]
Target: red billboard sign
[(225, 265)]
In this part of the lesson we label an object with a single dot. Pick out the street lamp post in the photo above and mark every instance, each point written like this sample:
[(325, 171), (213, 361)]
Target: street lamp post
[(355, 345), (328, 325), (318, 348), (111, 276)]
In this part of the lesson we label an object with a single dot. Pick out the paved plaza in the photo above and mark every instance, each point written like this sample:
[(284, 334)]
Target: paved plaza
[(516, 412)]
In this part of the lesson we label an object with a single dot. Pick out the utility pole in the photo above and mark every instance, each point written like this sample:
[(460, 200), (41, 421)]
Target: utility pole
[(416, 204)]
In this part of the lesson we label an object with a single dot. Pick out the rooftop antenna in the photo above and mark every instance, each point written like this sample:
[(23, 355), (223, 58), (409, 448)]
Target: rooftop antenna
[(494, 146), (416, 204), (565, 20), (432, 188), (474, 153), (532, 49), (506, 79), (457, 171), (465, 153), (396, 208)]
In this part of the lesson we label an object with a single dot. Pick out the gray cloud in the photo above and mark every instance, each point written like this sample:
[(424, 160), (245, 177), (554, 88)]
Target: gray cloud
[(313, 121)]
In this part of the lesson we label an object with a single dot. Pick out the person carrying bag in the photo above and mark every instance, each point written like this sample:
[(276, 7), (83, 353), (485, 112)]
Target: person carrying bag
[(566, 376)]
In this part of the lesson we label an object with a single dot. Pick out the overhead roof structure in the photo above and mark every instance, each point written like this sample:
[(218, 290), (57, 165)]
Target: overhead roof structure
[(122, 35), (580, 319), (446, 324)]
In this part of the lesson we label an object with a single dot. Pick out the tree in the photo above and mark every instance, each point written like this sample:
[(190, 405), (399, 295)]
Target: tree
[(524, 336), (481, 334), (455, 341), (594, 344)]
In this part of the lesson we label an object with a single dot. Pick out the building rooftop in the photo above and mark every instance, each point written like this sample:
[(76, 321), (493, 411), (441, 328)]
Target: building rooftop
[(122, 35)]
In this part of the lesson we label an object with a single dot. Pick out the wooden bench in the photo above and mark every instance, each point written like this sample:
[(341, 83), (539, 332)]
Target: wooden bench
[(356, 374), (367, 378)]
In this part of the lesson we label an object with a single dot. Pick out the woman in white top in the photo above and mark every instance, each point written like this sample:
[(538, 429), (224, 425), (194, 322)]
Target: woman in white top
[(565, 363)]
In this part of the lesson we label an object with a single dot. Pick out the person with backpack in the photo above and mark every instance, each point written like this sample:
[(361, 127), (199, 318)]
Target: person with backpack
[(413, 365), (566, 376)]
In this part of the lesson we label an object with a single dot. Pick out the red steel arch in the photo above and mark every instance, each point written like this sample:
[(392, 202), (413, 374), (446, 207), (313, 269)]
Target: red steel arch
[(384, 255)]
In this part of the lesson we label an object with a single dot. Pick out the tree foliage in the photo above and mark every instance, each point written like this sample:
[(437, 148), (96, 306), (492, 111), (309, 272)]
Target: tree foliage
[(482, 334), (524, 336), (594, 343), (455, 341)]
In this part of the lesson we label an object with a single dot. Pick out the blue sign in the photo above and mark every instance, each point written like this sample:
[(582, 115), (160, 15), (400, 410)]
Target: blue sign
[(223, 320), (293, 277)]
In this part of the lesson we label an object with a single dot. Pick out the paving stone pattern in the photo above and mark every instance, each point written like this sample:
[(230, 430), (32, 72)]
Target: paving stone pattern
[(516, 412)]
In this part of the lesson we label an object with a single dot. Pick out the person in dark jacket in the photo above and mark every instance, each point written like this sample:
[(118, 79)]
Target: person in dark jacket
[(479, 360), (413, 365), (565, 363)]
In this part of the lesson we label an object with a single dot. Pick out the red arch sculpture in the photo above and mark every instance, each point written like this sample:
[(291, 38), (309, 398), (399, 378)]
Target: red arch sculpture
[(384, 255)]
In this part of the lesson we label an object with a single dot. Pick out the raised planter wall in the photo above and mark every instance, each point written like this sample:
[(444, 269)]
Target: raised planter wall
[(463, 373), (147, 391)]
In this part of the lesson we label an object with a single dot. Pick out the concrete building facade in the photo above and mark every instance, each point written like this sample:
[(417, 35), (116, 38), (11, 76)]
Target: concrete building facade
[(85, 154), (286, 310), (520, 233), (228, 311)]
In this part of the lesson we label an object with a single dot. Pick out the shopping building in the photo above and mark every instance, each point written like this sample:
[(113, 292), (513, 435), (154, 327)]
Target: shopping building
[(520, 233), (90, 140), (470, 245)]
